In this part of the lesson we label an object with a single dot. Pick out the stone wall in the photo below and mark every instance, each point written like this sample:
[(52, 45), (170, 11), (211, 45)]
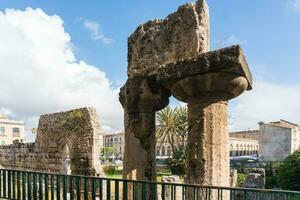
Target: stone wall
[(73, 135), (18, 156)]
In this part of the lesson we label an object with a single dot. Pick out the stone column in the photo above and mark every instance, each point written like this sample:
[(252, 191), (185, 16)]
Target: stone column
[(207, 147), (140, 99), (208, 156), (140, 144)]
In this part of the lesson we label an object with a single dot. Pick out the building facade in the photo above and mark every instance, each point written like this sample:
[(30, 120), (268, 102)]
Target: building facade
[(243, 147), (237, 146), (278, 140), (11, 130), (116, 141), (250, 134)]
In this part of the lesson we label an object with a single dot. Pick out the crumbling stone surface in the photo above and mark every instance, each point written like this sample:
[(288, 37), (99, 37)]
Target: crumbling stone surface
[(73, 135), (181, 35), (256, 178), (233, 177), (227, 60), (169, 57)]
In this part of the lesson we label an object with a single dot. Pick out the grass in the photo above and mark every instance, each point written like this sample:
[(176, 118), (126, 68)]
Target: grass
[(119, 175)]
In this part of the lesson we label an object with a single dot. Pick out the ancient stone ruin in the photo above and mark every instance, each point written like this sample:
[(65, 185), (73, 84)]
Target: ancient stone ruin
[(67, 142), (170, 57)]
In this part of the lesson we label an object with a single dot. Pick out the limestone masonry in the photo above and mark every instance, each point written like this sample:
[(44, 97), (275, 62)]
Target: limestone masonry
[(169, 57), (73, 135)]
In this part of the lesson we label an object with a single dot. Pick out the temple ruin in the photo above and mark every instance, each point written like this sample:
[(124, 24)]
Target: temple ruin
[(171, 57), (67, 143)]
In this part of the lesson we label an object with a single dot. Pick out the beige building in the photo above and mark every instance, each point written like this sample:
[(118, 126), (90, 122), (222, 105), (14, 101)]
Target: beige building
[(117, 142), (250, 134), (11, 130), (278, 140), (243, 147), (238, 146)]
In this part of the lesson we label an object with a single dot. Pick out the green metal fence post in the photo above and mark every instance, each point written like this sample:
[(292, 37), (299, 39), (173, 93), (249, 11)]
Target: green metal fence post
[(40, 186), (86, 188), (125, 190), (100, 189), (24, 175), (9, 184), (163, 191), (4, 183), (57, 187), (18, 185), (107, 189), (34, 187), (52, 186), (93, 189), (116, 190), (46, 186), (78, 188), (65, 190), (28, 186), (71, 187)]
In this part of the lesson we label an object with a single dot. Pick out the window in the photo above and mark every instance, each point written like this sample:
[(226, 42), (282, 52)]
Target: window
[(163, 151), (2, 130), (3, 142), (169, 151), (16, 130), (157, 151)]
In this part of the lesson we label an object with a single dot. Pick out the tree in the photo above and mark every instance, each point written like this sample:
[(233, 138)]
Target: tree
[(106, 153), (177, 164), (181, 124), (289, 172), (166, 127)]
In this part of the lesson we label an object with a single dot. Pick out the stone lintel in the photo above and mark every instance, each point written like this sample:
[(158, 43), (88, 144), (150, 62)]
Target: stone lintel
[(227, 60)]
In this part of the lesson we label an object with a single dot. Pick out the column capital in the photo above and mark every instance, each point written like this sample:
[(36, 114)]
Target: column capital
[(143, 95)]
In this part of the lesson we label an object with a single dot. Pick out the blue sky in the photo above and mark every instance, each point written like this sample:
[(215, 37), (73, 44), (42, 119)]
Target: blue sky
[(268, 30)]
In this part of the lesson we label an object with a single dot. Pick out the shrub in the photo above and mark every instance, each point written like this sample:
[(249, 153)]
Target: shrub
[(110, 169), (241, 179), (177, 164), (288, 175)]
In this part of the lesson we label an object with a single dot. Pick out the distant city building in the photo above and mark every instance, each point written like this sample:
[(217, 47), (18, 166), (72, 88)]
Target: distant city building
[(117, 142), (250, 134), (243, 147), (11, 130), (278, 140), (237, 146)]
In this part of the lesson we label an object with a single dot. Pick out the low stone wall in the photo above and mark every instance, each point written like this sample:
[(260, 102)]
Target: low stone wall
[(18, 156), (67, 142)]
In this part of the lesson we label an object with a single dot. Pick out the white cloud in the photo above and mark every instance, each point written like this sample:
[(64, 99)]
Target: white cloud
[(294, 5), (266, 102), (40, 73), (96, 32), (228, 41)]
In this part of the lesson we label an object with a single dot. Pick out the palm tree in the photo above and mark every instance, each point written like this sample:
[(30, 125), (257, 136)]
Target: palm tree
[(182, 124), (172, 126), (166, 126)]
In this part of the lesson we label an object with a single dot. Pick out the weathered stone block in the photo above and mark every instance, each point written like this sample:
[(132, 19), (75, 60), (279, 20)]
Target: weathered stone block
[(180, 35)]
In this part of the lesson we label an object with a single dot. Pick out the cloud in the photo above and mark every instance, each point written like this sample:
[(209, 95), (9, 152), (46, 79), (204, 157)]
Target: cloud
[(40, 73), (229, 41), (266, 102), (96, 32), (294, 5)]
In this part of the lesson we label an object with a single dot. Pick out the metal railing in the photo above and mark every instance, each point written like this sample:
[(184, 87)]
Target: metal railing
[(15, 184)]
